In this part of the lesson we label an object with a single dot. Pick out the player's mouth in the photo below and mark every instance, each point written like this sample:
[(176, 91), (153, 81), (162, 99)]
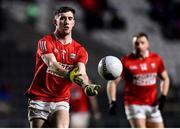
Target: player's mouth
[(66, 27)]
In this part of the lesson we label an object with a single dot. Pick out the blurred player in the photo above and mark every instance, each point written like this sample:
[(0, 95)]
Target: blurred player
[(80, 105), (141, 68), (60, 61)]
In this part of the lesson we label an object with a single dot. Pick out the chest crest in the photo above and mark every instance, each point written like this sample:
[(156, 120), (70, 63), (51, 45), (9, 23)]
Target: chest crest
[(143, 67)]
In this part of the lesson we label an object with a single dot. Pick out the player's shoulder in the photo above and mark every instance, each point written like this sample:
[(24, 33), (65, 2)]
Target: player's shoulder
[(154, 54), (128, 56), (48, 37), (77, 44)]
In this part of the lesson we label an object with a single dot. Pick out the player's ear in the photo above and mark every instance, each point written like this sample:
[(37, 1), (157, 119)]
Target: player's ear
[(55, 22), (74, 22)]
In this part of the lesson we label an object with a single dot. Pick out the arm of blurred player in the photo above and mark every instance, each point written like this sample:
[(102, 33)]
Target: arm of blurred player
[(112, 89), (164, 83), (94, 105), (111, 92), (51, 62), (164, 88)]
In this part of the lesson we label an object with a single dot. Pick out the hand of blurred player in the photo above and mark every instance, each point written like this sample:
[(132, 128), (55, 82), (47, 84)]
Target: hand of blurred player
[(74, 76), (92, 89), (112, 108), (97, 116), (161, 102)]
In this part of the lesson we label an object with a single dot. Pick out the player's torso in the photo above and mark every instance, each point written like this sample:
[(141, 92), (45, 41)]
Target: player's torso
[(140, 78), (47, 83), (141, 72)]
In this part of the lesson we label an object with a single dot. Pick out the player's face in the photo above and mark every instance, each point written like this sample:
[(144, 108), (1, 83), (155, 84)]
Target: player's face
[(65, 22), (140, 44)]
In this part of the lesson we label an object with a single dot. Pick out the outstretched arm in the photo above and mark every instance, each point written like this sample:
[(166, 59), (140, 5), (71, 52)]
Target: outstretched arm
[(54, 66), (84, 76), (83, 81)]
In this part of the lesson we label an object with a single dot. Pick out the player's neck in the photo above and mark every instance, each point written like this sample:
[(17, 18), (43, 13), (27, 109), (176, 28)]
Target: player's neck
[(64, 39), (141, 54)]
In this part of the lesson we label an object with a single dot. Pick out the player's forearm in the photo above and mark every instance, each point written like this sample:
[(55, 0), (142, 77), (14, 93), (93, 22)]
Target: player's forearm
[(58, 69), (85, 79), (111, 91), (94, 104), (165, 86), (53, 65)]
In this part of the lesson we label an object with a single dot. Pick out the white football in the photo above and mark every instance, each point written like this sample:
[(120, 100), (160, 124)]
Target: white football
[(110, 67)]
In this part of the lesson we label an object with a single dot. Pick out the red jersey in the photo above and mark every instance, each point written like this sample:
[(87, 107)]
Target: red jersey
[(46, 85), (140, 77), (78, 100)]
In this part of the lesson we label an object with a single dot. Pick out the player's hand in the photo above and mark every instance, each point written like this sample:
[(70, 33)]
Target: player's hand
[(92, 89), (74, 76), (161, 102), (112, 108)]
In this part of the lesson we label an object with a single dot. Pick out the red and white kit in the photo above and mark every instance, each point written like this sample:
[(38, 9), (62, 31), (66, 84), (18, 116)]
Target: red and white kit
[(141, 77), (48, 86)]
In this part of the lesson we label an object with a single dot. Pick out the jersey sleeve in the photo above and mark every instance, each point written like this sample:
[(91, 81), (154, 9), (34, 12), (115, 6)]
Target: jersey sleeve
[(44, 47), (83, 55)]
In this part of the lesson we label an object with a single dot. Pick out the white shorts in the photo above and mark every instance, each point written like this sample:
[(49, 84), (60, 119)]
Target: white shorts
[(151, 113), (40, 109), (79, 119)]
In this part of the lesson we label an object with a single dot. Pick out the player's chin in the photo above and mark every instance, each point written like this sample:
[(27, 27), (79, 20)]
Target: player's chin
[(66, 32)]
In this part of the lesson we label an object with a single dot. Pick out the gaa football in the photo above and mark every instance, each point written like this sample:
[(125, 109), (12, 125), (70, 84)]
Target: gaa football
[(110, 67)]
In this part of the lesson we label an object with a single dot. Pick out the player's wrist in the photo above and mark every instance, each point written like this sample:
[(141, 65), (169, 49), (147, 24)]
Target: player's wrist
[(113, 102), (163, 97), (67, 74)]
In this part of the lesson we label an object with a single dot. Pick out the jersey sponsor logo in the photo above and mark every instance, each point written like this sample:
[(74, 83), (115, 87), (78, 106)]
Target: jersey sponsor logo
[(144, 79), (133, 67)]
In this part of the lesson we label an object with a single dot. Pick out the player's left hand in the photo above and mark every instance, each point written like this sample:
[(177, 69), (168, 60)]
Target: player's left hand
[(161, 102), (92, 89)]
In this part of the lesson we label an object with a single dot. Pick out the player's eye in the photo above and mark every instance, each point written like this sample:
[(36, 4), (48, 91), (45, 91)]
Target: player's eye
[(70, 18), (63, 18), (136, 43)]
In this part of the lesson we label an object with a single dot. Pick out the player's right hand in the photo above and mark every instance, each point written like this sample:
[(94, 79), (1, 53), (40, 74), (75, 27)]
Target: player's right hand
[(161, 102), (92, 89), (74, 76), (112, 108)]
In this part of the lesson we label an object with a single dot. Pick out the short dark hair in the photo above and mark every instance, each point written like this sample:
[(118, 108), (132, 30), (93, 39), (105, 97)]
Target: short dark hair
[(141, 34), (64, 9)]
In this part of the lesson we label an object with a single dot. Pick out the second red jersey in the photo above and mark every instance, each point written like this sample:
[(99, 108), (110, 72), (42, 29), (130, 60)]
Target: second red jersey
[(78, 100), (140, 77), (46, 85)]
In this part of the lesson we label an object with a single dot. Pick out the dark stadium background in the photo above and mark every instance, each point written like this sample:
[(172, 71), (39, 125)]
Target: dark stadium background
[(104, 29)]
